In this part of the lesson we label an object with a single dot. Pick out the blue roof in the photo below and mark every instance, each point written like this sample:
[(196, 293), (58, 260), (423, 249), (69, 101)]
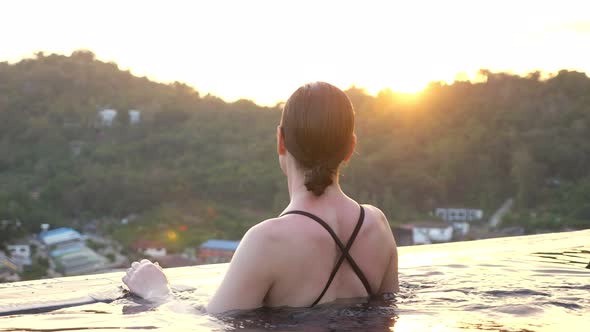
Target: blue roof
[(66, 250), (57, 231), (220, 244)]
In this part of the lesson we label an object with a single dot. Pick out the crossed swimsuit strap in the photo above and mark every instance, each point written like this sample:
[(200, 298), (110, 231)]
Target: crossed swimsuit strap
[(344, 249)]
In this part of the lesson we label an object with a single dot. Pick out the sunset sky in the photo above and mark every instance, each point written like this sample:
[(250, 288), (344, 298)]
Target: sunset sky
[(263, 50)]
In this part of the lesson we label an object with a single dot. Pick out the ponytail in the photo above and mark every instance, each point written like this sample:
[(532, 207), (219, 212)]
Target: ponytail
[(317, 178)]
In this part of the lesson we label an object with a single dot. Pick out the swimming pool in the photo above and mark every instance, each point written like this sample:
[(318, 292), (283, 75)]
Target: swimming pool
[(527, 283)]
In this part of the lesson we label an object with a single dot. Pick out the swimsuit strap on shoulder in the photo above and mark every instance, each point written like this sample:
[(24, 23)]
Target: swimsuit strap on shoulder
[(344, 249)]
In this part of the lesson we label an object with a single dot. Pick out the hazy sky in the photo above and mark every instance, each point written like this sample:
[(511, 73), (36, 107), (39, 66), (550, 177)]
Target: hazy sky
[(263, 50)]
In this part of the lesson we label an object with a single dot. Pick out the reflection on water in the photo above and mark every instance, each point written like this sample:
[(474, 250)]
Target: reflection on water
[(535, 283)]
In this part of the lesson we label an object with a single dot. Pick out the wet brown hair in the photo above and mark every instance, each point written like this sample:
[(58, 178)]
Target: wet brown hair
[(317, 126)]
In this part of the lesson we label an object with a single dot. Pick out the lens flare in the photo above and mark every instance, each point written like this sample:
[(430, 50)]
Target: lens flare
[(171, 235)]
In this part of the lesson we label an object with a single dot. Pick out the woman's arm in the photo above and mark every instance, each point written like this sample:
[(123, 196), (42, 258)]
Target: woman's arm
[(390, 281), (249, 276)]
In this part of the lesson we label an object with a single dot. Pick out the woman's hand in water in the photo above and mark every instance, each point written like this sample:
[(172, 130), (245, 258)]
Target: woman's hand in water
[(147, 280)]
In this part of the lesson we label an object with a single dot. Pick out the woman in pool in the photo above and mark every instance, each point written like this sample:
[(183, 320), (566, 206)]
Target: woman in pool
[(324, 246)]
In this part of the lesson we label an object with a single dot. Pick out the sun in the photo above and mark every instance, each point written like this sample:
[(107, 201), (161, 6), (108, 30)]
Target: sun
[(405, 85), (410, 86), (399, 79)]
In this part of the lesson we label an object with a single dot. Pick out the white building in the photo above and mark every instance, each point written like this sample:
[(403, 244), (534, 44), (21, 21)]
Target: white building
[(460, 228), (107, 117), (134, 116), (19, 250), (423, 232), (6, 223), (452, 214), (150, 248), (20, 254)]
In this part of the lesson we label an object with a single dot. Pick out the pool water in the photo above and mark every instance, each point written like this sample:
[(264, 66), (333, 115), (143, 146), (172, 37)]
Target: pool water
[(527, 283)]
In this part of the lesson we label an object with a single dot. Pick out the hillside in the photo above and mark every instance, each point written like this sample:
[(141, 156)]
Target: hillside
[(199, 161)]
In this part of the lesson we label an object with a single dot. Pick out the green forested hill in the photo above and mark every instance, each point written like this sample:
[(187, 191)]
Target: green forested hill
[(200, 161)]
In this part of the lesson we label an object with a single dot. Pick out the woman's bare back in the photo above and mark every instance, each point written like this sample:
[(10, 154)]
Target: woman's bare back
[(308, 255)]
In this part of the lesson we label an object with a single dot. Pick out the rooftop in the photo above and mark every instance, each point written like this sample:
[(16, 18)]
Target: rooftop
[(59, 235), (58, 231), (220, 244), (425, 224)]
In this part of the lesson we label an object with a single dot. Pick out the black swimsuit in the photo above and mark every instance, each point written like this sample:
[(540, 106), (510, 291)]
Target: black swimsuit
[(345, 253)]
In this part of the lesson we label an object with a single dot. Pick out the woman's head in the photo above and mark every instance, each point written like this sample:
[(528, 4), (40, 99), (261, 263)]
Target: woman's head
[(317, 128)]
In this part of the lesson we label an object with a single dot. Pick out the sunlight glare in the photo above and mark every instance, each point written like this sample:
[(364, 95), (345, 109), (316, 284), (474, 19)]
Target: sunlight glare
[(171, 235), (263, 50)]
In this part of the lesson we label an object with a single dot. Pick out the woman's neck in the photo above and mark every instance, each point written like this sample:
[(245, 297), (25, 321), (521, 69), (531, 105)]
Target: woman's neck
[(298, 192)]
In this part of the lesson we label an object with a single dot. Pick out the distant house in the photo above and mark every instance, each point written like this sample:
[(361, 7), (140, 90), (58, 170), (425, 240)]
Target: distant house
[(217, 251), (59, 236), (63, 244), (19, 250), (6, 264), (66, 249), (8, 269), (453, 214), (149, 248), (459, 218), (107, 117), (460, 229), (9, 223), (423, 232), (134, 116), (128, 219), (20, 253), (69, 253), (76, 259)]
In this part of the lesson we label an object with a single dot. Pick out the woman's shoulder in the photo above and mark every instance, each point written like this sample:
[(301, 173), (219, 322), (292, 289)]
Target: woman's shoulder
[(374, 213), (275, 230), (268, 230), (377, 221)]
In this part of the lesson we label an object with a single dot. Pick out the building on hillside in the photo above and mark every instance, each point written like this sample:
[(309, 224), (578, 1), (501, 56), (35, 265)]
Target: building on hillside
[(423, 232), (134, 117), (66, 249), (149, 248), (460, 219), (8, 269), (217, 251), (68, 252), (58, 236), (5, 223), (128, 219), (7, 264), (20, 254), (107, 117), (452, 214), (77, 259), (460, 229)]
